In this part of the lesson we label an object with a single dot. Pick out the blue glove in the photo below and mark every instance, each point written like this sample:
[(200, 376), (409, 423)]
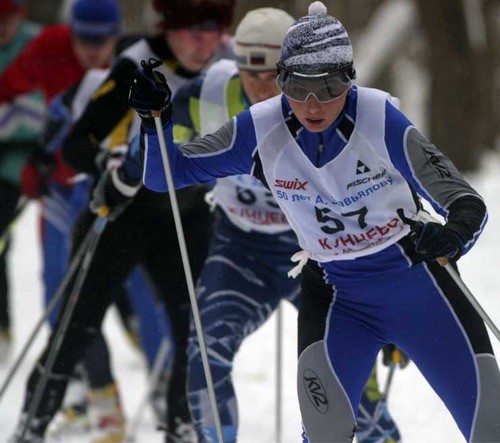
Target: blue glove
[(434, 240), (150, 92)]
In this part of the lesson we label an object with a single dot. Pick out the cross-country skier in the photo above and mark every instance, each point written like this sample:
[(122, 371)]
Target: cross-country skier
[(21, 122), (63, 202), (244, 277), (142, 231), (57, 58), (347, 167)]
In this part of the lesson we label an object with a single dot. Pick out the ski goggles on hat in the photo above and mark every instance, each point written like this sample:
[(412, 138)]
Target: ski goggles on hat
[(324, 87)]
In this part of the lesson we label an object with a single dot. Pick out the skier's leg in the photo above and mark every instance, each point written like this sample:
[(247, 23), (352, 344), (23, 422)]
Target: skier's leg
[(56, 222), (453, 352), (125, 249), (72, 419), (79, 337), (174, 294), (337, 350), (128, 318), (153, 321), (58, 215), (9, 196), (5, 320), (236, 294), (106, 272), (153, 327), (60, 209), (4, 292), (164, 266)]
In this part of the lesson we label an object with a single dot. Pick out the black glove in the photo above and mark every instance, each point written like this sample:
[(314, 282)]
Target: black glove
[(112, 194), (434, 240), (110, 158), (394, 355), (150, 92)]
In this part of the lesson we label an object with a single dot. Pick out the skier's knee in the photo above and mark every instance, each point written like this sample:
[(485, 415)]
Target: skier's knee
[(487, 423), (326, 411)]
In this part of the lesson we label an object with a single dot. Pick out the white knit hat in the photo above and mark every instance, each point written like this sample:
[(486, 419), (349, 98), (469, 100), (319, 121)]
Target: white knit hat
[(258, 38), (317, 43)]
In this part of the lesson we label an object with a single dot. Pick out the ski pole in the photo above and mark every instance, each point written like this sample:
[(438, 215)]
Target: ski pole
[(75, 263), (58, 335), (4, 237), (473, 301), (444, 262), (396, 359), (388, 381), (158, 365), (279, 371), (188, 274)]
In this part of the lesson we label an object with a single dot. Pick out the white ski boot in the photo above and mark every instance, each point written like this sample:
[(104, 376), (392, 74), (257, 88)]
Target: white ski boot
[(72, 420), (182, 433), (108, 421)]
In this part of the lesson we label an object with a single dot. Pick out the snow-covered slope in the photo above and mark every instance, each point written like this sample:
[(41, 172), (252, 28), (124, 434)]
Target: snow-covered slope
[(419, 413)]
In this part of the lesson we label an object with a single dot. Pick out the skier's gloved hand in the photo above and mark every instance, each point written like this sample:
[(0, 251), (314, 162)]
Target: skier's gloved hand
[(434, 240), (113, 193), (394, 355), (111, 158), (150, 93)]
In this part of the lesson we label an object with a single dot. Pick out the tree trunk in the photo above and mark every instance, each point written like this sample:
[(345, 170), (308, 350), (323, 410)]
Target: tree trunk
[(461, 77), (44, 11), (134, 16), (492, 14)]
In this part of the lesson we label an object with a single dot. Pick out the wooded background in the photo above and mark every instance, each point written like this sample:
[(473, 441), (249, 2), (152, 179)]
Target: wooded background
[(453, 45)]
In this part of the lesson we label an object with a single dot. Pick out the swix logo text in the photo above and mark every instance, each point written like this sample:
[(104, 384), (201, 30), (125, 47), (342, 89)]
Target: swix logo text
[(315, 391), (296, 184)]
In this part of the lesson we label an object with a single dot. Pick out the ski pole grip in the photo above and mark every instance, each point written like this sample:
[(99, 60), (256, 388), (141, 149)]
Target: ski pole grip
[(443, 261)]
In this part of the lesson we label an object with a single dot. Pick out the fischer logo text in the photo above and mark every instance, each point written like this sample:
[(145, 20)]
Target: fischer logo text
[(362, 181)]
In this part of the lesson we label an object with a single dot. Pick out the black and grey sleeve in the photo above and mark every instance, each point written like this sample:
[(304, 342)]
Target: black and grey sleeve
[(436, 177)]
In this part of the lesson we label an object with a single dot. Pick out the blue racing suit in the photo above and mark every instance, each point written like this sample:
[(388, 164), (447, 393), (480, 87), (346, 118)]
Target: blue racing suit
[(244, 277), (363, 284)]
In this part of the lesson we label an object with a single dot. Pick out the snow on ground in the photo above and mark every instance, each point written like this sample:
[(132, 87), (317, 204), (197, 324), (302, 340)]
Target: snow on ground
[(419, 413)]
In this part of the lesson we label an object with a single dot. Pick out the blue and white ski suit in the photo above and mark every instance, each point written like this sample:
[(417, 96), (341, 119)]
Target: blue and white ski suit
[(363, 285), (245, 275)]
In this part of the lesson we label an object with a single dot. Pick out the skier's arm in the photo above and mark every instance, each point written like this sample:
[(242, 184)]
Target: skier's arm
[(432, 175), (20, 76), (228, 151), (106, 109), (45, 164), (186, 111)]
